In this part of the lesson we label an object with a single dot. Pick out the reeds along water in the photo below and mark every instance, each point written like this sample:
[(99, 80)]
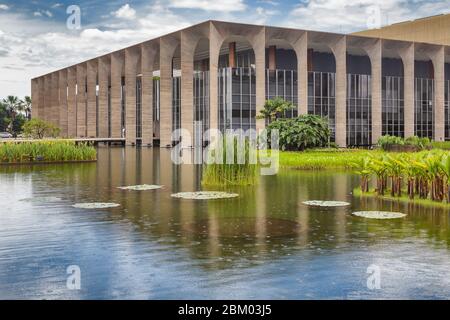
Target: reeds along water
[(231, 162), (48, 151)]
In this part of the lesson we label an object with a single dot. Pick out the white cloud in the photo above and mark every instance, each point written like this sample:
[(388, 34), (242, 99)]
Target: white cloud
[(125, 12), (209, 5), (37, 14), (350, 15), (4, 6), (41, 13), (57, 5)]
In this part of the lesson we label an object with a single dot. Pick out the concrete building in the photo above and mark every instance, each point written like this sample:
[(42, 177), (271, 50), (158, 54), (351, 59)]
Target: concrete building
[(219, 74)]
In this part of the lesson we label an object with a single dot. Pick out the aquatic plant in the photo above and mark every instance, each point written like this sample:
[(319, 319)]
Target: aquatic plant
[(427, 174), (46, 151), (379, 215), (204, 195), (232, 165)]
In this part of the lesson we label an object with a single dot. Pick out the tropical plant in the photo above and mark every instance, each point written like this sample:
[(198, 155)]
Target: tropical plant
[(13, 106), (303, 132), (427, 174), (274, 109), (27, 106), (39, 129)]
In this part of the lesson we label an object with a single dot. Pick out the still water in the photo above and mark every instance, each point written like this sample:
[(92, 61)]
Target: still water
[(263, 245)]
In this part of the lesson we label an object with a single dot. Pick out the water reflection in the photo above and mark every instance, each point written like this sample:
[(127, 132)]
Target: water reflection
[(153, 240)]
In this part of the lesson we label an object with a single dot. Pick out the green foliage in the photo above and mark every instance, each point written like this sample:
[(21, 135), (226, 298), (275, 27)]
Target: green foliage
[(304, 132), (39, 129), (232, 170), (387, 141), (319, 159), (274, 109), (427, 174), (49, 151), (14, 112)]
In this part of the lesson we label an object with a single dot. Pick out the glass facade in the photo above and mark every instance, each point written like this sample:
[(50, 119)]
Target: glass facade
[(447, 116), (109, 109), (393, 108), (424, 107), (122, 107), (359, 110), (283, 84), (201, 101), (237, 96), (156, 105), (322, 97), (138, 107), (176, 103)]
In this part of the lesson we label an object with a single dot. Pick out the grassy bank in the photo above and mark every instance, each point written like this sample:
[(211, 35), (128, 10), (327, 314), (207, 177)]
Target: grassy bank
[(45, 151), (404, 199), (323, 158)]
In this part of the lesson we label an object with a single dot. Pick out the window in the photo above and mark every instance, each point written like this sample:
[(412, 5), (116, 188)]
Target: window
[(321, 97), (424, 108), (393, 106), (359, 110)]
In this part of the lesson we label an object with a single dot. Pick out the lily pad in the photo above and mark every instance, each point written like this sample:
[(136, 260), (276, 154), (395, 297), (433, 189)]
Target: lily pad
[(379, 214), (326, 204), (95, 205), (205, 195), (142, 187), (41, 199)]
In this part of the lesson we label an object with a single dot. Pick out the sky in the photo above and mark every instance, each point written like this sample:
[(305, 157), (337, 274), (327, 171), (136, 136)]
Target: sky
[(35, 38)]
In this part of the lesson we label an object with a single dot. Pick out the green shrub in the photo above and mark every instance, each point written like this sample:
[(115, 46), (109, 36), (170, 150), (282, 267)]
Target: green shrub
[(39, 129), (301, 133), (387, 141)]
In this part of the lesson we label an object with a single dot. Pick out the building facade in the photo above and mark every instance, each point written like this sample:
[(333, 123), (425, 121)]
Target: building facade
[(217, 75)]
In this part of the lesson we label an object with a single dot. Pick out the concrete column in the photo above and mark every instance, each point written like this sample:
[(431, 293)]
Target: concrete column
[(63, 102), (81, 100), (215, 43), (117, 64), (103, 85), (147, 60), (35, 98), (131, 60), (168, 46), (188, 43), (375, 53), (438, 59), (48, 100), (302, 73), (232, 54), (258, 42), (272, 58), (71, 103), (41, 111), (339, 48), (55, 99), (91, 113), (407, 56)]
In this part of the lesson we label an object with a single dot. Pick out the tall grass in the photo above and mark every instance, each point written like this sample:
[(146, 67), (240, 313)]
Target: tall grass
[(231, 171), (46, 151), (323, 158)]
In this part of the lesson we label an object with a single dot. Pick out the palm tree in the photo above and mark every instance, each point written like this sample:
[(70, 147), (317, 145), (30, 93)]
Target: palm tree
[(274, 108), (13, 105), (26, 102)]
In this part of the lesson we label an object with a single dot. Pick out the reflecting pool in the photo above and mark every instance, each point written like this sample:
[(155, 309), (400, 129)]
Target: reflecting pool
[(265, 244)]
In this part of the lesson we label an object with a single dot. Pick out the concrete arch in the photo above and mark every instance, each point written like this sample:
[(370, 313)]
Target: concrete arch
[(256, 36), (298, 41), (436, 54)]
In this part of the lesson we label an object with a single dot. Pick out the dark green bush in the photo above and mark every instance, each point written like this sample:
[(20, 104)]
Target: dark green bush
[(304, 132)]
